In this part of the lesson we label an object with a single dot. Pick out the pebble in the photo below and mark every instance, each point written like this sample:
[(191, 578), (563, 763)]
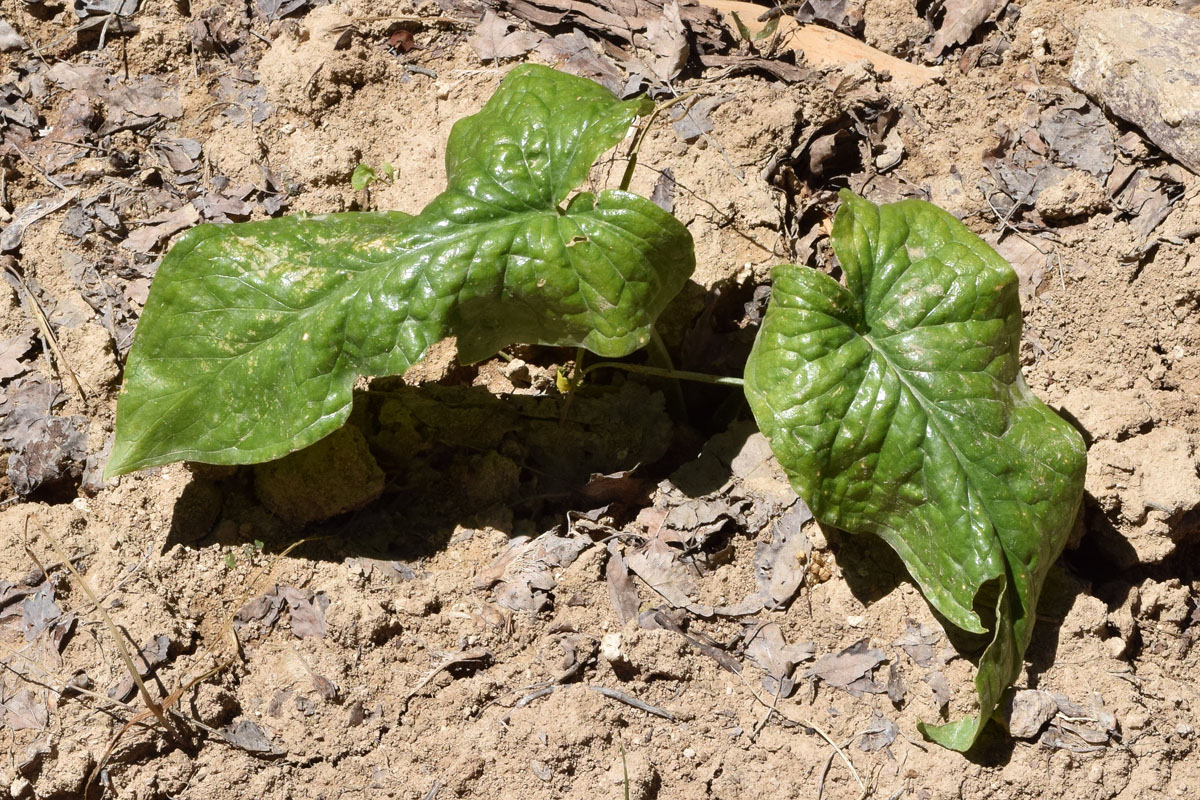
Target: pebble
[(1143, 65)]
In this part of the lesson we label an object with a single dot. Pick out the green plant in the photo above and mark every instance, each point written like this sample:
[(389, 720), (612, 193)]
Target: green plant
[(897, 407), (895, 402), (253, 334), (364, 175)]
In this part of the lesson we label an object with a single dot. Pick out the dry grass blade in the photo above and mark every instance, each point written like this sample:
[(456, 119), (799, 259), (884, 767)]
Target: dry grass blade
[(39, 317), (153, 706)]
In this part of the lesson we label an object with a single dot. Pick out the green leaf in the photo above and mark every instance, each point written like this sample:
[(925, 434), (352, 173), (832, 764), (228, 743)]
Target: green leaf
[(362, 177), (768, 29), (743, 31), (254, 333), (896, 405)]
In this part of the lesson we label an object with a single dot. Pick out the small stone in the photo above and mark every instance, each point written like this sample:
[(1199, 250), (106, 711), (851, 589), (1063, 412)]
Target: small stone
[(1028, 712), (1077, 195), (517, 371), (333, 476), (610, 647), (1143, 65), (19, 787), (1115, 646)]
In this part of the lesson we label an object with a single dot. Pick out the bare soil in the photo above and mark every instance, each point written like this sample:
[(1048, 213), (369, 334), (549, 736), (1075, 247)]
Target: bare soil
[(389, 654)]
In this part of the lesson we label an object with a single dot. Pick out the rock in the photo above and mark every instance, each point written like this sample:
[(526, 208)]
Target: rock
[(1077, 195), (1088, 617), (1109, 413), (1028, 712), (333, 476), (1143, 65), (1151, 483)]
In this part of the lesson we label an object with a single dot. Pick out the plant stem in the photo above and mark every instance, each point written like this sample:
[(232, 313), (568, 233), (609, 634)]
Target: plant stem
[(674, 374), (627, 178)]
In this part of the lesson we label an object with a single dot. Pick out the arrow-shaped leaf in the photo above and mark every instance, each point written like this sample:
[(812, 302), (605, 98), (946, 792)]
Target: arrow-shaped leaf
[(254, 333), (896, 405)]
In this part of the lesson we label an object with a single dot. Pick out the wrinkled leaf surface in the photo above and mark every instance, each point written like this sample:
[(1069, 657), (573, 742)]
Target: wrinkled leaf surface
[(896, 404), (254, 333)]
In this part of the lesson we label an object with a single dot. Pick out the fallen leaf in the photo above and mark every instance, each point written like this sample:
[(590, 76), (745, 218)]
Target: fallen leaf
[(768, 650), (616, 487), (1020, 167), (668, 40), (895, 685), (178, 154), (1079, 135), (850, 669), (961, 19), (39, 610), (840, 15), (28, 400), (307, 611), (658, 565), (918, 641), (160, 227), (88, 8), (9, 39), (671, 621), (493, 42), (26, 215), (524, 573), (575, 53), (11, 352), (247, 736), (663, 194), (878, 734), (23, 711), (265, 609), (621, 591), (1027, 260), (941, 689), (56, 452), (780, 564), (692, 122)]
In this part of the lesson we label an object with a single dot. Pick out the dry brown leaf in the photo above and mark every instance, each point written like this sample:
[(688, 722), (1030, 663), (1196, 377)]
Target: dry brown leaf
[(769, 651), (668, 39), (621, 591), (11, 352), (961, 19), (850, 669), (160, 227), (493, 42)]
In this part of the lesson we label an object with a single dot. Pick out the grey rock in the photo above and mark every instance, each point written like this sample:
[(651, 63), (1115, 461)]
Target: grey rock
[(1028, 712), (1143, 65)]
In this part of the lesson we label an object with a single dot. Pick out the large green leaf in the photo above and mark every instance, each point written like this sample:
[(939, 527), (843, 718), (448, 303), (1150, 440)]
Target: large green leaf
[(896, 405), (254, 333)]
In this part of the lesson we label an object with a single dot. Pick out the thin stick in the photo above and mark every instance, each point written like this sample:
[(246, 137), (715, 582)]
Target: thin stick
[(633, 701)]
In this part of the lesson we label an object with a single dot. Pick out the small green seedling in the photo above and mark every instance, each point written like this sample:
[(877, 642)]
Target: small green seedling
[(894, 400), (365, 175)]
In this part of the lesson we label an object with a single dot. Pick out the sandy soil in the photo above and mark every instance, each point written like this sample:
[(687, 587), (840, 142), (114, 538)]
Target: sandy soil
[(383, 657)]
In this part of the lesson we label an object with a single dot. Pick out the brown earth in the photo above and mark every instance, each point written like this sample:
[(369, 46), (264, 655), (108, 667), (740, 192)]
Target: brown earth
[(387, 655)]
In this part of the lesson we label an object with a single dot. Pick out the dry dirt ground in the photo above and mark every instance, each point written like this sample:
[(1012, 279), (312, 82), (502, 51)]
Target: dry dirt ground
[(404, 650)]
